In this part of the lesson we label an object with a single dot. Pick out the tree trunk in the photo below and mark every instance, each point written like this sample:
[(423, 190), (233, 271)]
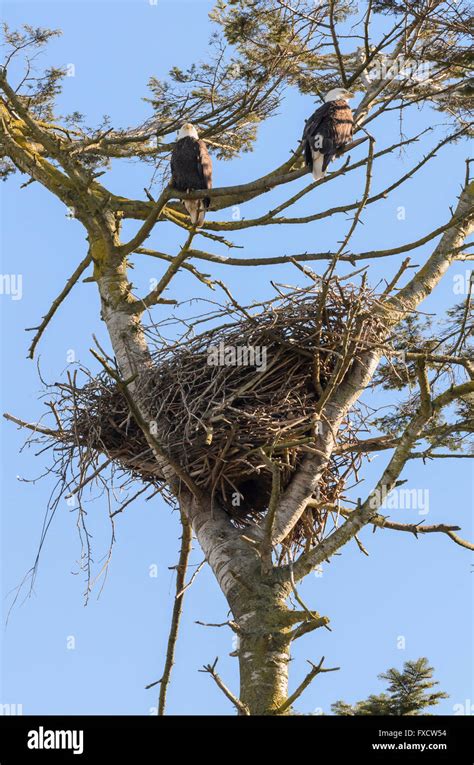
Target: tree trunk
[(257, 600), (264, 655)]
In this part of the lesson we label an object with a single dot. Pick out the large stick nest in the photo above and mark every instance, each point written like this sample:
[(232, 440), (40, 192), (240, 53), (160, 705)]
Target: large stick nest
[(221, 421)]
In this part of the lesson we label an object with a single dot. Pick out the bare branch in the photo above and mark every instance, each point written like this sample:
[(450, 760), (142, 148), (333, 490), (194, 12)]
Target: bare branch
[(423, 283), (33, 426), (186, 544), (368, 509), (154, 296), (73, 279), (316, 669), (382, 522), (266, 547), (211, 670), (146, 229)]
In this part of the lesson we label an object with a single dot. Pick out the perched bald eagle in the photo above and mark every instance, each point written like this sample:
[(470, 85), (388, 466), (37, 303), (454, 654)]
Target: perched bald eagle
[(191, 169), (327, 131)]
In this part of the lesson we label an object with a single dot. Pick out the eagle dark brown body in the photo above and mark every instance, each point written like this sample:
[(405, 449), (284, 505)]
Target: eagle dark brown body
[(326, 134), (191, 170)]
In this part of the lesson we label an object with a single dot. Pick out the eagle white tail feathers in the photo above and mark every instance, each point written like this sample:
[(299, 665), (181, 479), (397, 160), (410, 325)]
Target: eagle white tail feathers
[(197, 211), (318, 160)]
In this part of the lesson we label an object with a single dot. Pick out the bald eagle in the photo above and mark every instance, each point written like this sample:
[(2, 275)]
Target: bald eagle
[(191, 169), (327, 131)]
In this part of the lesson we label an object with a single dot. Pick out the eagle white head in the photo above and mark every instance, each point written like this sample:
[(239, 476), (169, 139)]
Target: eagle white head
[(338, 94), (187, 131)]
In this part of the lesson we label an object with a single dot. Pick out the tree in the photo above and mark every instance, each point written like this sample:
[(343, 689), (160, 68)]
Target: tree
[(408, 693), (257, 463)]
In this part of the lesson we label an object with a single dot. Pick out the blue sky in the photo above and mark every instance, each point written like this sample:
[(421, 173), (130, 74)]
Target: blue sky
[(420, 591)]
